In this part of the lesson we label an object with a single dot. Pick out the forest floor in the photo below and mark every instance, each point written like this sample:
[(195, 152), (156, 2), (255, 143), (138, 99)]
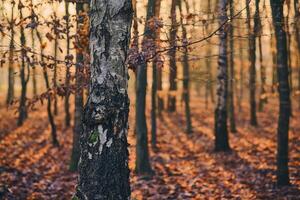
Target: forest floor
[(186, 167)]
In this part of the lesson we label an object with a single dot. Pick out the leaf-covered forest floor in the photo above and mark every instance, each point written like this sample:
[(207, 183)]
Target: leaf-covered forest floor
[(186, 167)]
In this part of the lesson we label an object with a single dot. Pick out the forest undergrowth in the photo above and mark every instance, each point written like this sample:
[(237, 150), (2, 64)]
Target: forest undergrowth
[(186, 167)]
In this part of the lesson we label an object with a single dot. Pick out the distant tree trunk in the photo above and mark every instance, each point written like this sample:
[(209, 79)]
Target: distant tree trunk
[(252, 69), (56, 34), (289, 41), (11, 79), (142, 165), (34, 81), (241, 72), (80, 62), (284, 93), (274, 64), (172, 57), (68, 73), (159, 75), (209, 86), (263, 98), (297, 31), (103, 166), (154, 82), (186, 76), (134, 45), (23, 76), (49, 111), (221, 132), (231, 73)]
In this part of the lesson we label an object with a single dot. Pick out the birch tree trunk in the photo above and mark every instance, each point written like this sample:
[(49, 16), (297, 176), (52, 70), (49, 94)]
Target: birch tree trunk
[(284, 93), (103, 166), (221, 131)]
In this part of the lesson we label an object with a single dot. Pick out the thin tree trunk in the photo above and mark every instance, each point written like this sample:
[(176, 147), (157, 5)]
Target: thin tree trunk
[(274, 64), (56, 34), (24, 78), (289, 42), (34, 81), (284, 94), (135, 44), (142, 165), (297, 31), (103, 166), (68, 73), (80, 62), (252, 59), (159, 75), (263, 98), (11, 79), (231, 109), (49, 105), (186, 75), (154, 82), (209, 87), (221, 132), (241, 72), (2, 37), (172, 57)]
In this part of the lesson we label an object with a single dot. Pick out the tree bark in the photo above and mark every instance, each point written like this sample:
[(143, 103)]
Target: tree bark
[(221, 132), (103, 167), (284, 93)]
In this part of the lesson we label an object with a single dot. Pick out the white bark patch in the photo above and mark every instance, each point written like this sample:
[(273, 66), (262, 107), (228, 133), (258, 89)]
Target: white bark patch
[(90, 156), (102, 137), (109, 143)]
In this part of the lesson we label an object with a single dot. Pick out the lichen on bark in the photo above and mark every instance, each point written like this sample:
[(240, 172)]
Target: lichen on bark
[(103, 166)]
